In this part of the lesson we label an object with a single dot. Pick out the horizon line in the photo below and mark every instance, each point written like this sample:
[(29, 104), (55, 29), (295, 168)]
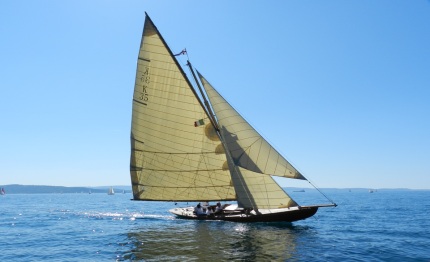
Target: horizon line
[(373, 188)]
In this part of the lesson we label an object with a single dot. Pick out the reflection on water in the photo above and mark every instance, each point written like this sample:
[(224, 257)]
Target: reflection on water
[(181, 240)]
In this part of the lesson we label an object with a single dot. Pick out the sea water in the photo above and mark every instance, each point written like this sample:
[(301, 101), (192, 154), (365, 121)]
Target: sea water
[(387, 225)]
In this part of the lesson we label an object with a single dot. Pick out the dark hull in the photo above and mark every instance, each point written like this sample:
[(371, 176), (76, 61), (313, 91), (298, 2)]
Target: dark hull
[(286, 216)]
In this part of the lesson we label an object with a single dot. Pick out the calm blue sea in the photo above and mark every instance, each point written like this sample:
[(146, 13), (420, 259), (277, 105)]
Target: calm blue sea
[(388, 225)]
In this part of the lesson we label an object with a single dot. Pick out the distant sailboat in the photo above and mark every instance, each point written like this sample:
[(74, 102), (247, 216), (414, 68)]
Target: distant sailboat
[(185, 147), (2, 191), (111, 191)]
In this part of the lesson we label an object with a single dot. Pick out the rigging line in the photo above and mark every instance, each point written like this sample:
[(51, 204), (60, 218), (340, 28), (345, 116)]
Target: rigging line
[(322, 193), (313, 185)]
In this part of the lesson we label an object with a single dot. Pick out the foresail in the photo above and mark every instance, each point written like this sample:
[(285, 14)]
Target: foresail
[(258, 191), (248, 148), (176, 154)]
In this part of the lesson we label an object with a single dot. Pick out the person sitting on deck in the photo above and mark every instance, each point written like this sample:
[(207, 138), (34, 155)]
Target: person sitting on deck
[(210, 211), (218, 208), (199, 210)]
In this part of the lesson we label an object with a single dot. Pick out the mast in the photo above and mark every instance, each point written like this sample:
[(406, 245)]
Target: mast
[(234, 170), (208, 108)]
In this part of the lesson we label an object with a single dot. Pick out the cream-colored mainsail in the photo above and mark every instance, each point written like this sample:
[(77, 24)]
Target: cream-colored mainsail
[(175, 153)]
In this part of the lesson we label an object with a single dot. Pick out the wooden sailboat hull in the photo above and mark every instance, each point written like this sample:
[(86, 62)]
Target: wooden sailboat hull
[(241, 216)]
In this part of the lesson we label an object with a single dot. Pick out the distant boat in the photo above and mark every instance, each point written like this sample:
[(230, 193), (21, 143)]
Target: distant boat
[(123, 191), (189, 146), (371, 191), (89, 192), (2, 191), (301, 190), (111, 191)]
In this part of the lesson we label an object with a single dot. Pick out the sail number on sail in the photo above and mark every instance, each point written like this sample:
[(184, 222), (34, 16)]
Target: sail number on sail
[(144, 79)]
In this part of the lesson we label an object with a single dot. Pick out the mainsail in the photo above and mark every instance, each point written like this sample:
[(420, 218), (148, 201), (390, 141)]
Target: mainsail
[(175, 153)]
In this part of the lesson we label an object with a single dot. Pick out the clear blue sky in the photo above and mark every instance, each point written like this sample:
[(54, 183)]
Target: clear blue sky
[(341, 88)]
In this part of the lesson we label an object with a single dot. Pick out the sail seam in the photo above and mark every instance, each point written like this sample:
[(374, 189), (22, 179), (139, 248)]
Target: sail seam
[(182, 171), (168, 153), (178, 187)]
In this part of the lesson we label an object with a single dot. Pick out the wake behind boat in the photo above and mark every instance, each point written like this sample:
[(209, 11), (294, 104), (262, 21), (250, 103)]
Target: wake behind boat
[(194, 147)]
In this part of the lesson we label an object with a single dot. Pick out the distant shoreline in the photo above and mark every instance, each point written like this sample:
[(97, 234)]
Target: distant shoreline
[(43, 189)]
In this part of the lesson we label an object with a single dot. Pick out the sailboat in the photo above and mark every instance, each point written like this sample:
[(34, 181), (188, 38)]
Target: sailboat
[(111, 191), (192, 146)]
